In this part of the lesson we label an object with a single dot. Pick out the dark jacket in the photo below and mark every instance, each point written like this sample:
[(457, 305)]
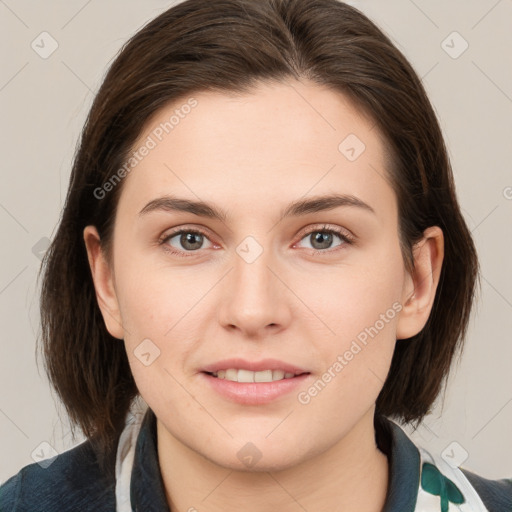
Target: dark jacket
[(73, 481)]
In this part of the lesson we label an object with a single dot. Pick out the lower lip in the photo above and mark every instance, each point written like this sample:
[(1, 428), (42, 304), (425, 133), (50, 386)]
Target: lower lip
[(254, 393)]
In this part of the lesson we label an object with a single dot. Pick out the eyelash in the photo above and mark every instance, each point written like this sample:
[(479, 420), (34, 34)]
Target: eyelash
[(347, 239)]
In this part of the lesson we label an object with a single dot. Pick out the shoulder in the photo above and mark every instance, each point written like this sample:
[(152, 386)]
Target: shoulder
[(72, 481), (432, 481), (453, 483), (496, 494)]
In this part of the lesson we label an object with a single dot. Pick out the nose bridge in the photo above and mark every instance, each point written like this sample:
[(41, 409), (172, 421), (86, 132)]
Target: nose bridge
[(253, 298), (252, 262)]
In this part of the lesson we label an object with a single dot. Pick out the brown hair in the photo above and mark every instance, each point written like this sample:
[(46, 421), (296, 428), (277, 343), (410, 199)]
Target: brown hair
[(232, 45)]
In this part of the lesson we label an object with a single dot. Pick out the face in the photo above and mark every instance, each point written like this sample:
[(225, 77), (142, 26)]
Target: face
[(319, 289)]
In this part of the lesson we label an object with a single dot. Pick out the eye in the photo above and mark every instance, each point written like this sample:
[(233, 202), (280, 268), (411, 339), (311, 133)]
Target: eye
[(187, 240), (321, 239)]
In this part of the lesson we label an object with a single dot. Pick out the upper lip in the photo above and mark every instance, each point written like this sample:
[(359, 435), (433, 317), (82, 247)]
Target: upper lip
[(255, 366)]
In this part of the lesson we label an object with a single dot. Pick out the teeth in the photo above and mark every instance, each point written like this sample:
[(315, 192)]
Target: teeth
[(277, 374), (248, 376), (231, 374)]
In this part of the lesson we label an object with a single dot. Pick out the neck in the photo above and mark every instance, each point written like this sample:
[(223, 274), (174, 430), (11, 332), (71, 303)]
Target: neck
[(351, 475)]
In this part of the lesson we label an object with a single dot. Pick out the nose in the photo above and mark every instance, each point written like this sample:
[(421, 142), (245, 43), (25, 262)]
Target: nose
[(255, 298)]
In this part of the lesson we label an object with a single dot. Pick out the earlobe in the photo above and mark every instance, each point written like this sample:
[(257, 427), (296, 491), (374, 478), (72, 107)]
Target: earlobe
[(420, 288), (102, 276)]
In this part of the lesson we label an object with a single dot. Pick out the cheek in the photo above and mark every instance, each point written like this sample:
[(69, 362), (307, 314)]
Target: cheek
[(159, 311), (152, 298), (358, 296), (367, 303), (357, 357), (158, 339), (359, 307)]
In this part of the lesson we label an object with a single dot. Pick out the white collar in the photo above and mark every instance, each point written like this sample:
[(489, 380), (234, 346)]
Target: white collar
[(126, 453)]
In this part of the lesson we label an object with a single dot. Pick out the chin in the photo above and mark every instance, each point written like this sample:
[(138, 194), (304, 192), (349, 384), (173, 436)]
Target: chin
[(256, 457), (273, 463)]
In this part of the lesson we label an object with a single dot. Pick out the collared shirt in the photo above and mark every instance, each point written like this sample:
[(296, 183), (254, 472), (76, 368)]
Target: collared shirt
[(74, 482)]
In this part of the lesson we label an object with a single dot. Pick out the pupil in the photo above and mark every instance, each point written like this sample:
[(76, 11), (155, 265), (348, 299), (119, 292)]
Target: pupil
[(325, 237), (188, 239)]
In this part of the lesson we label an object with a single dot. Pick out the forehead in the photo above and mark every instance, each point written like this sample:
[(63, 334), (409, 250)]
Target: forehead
[(280, 141)]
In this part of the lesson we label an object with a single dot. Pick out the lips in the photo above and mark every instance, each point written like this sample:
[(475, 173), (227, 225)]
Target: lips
[(253, 393), (249, 383)]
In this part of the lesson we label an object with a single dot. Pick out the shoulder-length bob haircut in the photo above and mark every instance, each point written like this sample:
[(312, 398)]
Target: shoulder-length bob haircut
[(231, 46)]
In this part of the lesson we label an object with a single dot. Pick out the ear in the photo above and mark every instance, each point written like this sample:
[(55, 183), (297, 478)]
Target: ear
[(103, 279), (420, 288)]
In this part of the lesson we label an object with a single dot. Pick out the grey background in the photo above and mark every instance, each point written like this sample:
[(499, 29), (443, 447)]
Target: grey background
[(44, 102)]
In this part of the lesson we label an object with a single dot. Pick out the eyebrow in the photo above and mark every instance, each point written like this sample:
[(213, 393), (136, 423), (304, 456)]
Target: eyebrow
[(301, 207)]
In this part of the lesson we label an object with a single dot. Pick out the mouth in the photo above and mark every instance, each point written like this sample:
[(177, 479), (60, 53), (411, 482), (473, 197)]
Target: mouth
[(251, 382), (247, 376)]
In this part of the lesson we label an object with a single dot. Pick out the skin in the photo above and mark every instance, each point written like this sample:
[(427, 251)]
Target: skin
[(252, 155)]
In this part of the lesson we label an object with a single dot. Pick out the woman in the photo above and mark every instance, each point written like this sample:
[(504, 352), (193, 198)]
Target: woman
[(261, 262)]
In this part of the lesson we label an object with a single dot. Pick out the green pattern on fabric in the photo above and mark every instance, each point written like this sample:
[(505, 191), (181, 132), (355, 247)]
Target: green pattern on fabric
[(434, 482)]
